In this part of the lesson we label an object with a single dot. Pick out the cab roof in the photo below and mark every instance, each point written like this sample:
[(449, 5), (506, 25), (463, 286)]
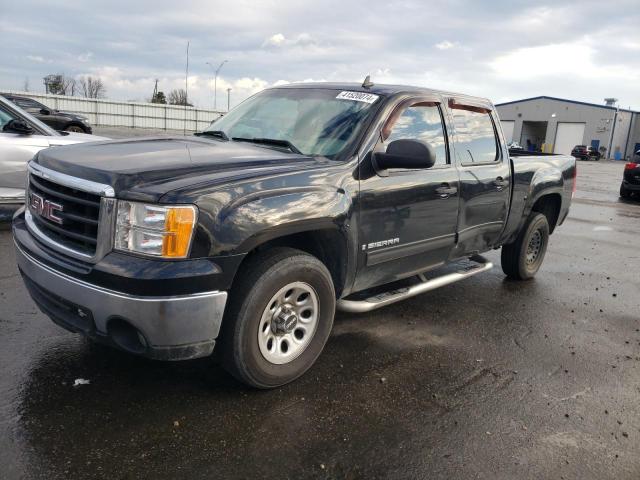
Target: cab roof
[(385, 90)]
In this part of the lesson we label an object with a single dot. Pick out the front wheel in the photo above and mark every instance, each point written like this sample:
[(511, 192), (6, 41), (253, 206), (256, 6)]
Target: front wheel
[(74, 129), (522, 259), (279, 318)]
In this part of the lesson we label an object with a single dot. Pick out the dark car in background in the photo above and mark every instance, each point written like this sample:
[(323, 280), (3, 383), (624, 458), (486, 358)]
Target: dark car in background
[(631, 177), (584, 152), (56, 119)]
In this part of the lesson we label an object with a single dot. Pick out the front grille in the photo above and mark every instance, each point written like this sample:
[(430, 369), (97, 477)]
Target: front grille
[(80, 214)]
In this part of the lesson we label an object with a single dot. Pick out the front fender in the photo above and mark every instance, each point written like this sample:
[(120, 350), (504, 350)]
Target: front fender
[(262, 216)]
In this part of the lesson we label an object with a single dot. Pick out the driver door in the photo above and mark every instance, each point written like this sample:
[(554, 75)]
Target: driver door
[(407, 217)]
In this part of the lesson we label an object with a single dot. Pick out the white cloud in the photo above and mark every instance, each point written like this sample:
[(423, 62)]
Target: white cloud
[(278, 40), (35, 58), (559, 59), (569, 59), (446, 45), (275, 40)]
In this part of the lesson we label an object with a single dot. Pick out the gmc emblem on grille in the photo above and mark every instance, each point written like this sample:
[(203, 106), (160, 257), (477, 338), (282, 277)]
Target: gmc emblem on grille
[(45, 208)]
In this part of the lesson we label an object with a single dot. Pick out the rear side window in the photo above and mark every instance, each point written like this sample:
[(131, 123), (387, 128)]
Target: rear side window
[(421, 122), (475, 136), (27, 103)]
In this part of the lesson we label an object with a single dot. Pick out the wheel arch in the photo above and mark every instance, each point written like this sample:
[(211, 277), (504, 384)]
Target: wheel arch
[(74, 123), (549, 205), (327, 243)]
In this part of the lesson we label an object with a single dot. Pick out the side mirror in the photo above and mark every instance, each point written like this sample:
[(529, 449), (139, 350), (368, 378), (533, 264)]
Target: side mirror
[(45, 111), (17, 126), (406, 154)]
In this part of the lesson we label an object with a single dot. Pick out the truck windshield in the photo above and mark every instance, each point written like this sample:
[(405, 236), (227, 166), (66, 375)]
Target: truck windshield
[(312, 121)]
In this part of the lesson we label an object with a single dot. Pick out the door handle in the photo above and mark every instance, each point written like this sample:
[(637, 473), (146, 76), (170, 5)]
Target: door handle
[(446, 190), (500, 183)]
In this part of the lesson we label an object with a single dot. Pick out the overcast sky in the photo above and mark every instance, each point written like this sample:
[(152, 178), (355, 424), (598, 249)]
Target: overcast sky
[(503, 49)]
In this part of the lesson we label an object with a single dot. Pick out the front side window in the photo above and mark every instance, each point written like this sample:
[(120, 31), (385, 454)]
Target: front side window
[(5, 117), (475, 136), (316, 121), (421, 122)]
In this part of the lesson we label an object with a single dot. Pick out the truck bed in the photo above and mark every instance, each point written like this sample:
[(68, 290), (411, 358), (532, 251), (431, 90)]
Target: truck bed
[(548, 169)]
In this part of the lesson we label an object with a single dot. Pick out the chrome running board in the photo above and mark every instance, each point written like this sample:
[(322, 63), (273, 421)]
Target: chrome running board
[(393, 296)]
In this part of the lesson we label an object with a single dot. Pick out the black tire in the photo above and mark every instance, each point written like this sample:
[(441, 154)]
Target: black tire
[(624, 193), (518, 261), (258, 281), (74, 127)]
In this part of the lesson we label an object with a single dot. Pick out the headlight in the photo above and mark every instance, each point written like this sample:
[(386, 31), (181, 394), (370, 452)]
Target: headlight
[(158, 230)]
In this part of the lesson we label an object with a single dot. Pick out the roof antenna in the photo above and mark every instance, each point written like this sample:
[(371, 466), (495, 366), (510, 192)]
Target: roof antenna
[(367, 82)]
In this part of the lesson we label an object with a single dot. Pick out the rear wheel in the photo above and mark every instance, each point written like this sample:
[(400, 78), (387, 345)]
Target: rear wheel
[(522, 259), (279, 318), (624, 193)]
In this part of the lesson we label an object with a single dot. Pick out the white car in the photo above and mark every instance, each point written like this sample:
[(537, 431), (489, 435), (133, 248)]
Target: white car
[(21, 137)]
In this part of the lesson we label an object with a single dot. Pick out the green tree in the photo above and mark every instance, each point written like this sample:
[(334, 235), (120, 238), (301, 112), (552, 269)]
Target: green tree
[(159, 98)]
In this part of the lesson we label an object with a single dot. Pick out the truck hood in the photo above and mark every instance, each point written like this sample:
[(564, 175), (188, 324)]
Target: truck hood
[(144, 169)]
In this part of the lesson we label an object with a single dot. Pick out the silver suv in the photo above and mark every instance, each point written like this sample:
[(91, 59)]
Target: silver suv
[(21, 137)]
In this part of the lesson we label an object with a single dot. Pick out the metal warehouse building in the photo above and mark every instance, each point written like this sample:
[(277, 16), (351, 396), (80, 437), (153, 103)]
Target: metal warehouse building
[(556, 125)]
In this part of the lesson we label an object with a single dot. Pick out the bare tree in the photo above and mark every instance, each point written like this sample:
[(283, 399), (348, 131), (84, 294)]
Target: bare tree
[(68, 86), (179, 97), (92, 87)]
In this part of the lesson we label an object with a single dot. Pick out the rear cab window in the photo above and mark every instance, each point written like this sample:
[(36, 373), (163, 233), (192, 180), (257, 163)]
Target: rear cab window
[(475, 136)]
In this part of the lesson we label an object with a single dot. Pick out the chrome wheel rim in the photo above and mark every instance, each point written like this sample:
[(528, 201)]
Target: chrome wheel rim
[(288, 323), (75, 129), (534, 247)]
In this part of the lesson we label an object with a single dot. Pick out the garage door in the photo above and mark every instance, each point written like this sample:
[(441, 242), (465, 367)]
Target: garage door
[(568, 136), (507, 128)]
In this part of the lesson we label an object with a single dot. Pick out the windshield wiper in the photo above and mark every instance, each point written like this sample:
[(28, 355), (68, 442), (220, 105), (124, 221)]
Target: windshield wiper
[(212, 133), (270, 141)]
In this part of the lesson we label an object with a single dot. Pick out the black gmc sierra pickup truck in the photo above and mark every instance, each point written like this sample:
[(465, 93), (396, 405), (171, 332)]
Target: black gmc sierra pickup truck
[(303, 199)]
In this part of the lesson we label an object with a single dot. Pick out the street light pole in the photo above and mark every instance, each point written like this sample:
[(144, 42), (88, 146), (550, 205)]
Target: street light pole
[(228, 99), (215, 83)]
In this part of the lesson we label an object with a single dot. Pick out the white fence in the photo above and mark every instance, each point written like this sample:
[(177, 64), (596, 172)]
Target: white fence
[(128, 114)]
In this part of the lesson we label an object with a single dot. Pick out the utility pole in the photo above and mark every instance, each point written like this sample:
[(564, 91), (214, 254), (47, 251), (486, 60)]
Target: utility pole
[(215, 83), (228, 99)]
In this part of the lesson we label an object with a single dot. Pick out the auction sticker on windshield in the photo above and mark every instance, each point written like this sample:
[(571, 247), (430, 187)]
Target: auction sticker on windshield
[(358, 96)]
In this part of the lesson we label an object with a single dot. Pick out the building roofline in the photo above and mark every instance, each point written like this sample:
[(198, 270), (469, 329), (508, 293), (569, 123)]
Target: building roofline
[(546, 97)]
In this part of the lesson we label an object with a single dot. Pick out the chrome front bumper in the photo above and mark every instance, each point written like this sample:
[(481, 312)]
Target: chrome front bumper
[(172, 328)]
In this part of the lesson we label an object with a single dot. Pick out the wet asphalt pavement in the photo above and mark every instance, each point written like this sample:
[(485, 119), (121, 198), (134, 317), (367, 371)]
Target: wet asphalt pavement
[(486, 378)]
